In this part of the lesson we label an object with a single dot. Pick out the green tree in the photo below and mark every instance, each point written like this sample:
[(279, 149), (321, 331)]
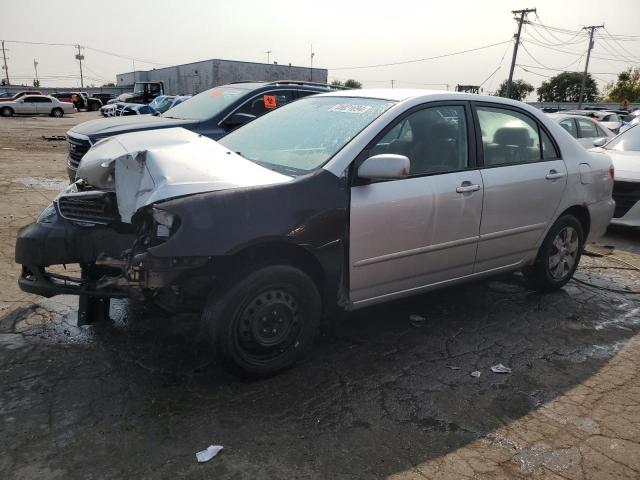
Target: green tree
[(519, 89), (36, 83), (627, 87), (110, 84), (565, 87), (351, 83)]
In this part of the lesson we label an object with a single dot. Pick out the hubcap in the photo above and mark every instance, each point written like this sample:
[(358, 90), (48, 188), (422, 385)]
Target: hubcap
[(564, 252), (268, 324)]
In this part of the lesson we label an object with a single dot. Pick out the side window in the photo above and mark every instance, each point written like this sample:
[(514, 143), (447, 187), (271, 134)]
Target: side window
[(508, 137), (434, 139), (154, 88), (266, 102), (587, 128), (570, 126), (44, 100), (30, 100), (549, 151)]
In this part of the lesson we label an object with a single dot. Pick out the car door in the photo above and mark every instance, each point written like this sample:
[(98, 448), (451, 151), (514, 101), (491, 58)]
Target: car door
[(43, 105), (259, 105), (588, 132), (409, 233), (524, 179), (28, 105)]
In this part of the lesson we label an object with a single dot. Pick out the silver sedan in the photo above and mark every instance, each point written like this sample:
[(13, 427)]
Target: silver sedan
[(586, 131), (36, 105)]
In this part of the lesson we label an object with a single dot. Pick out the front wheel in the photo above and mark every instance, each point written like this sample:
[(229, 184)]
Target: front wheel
[(558, 256), (265, 321), (6, 112), (57, 112)]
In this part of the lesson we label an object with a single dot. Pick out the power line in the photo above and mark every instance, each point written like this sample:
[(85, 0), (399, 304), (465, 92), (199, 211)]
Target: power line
[(563, 70), (422, 59), (550, 68), (572, 52)]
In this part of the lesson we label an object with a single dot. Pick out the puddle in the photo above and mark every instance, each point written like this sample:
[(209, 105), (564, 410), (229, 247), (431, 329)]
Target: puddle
[(56, 320), (57, 184)]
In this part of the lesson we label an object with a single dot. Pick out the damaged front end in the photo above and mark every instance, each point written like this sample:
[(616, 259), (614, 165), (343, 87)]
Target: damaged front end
[(111, 219)]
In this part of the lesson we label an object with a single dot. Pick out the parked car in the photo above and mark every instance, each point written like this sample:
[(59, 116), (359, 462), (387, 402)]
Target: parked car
[(345, 199), (36, 104), (633, 121), (18, 95), (6, 95), (81, 100), (143, 92), (159, 105), (607, 119), (584, 129), (624, 150), (212, 113)]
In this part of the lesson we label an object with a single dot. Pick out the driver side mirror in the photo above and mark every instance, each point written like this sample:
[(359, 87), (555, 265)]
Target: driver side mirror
[(598, 142), (386, 166), (238, 119)]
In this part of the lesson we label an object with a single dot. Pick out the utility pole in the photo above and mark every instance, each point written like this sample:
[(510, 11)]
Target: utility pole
[(35, 68), (311, 69), (523, 14), (268, 52), (591, 29), (392, 83), (80, 57), (6, 69)]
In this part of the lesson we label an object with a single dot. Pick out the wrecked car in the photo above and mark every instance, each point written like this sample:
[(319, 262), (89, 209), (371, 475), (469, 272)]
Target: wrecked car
[(336, 201)]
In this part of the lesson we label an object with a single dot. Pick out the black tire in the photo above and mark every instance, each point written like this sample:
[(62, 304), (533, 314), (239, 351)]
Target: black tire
[(558, 257), (6, 112), (93, 106), (265, 321), (57, 113)]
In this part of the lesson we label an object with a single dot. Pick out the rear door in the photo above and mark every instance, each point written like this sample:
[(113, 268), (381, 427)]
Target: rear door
[(524, 179), (588, 132), (409, 233), (43, 105)]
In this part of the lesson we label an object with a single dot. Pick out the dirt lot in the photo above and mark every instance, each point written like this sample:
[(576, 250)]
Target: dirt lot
[(381, 397)]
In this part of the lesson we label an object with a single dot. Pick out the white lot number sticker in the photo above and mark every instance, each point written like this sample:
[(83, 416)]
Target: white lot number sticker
[(350, 108)]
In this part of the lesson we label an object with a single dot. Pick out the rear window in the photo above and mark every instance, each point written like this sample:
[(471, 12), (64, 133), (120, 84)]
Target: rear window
[(628, 141)]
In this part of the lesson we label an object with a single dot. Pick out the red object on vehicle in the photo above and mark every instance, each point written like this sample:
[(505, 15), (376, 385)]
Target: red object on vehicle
[(612, 171)]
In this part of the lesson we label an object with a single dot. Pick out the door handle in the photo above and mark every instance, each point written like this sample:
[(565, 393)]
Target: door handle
[(467, 187), (554, 175)]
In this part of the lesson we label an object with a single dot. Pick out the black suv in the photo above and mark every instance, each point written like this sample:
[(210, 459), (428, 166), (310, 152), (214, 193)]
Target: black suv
[(212, 113)]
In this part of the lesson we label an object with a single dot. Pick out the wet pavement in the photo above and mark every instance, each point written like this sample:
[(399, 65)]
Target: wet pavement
[(382, 396), (138, 396)]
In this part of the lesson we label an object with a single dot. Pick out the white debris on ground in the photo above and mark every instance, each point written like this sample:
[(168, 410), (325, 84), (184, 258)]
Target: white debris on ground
[(209, 453)]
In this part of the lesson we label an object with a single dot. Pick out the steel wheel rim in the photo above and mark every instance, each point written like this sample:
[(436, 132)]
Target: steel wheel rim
[(267, 325), (564, 253)]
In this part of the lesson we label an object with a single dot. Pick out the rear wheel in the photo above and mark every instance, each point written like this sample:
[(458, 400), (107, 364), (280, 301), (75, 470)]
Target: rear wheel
[(6, 111), (57, 112), (265, 321), (558, 256)]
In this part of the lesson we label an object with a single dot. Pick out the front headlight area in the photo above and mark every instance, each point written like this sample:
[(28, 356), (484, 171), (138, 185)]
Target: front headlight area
[(48, 215), (155, 225)]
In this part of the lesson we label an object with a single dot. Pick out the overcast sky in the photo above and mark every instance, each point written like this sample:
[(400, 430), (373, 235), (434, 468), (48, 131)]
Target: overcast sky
[(343, 33)]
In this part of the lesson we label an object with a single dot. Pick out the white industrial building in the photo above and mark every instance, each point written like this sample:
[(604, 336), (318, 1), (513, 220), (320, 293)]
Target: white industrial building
[(192, 78)]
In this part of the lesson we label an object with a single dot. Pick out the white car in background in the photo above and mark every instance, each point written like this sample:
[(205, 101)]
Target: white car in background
[(36, 105), (586, 131), (627, 126), (610, 120), (624, 151)]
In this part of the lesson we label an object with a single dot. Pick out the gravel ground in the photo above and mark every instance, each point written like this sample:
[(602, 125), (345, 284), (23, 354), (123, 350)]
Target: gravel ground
[(381, 397)]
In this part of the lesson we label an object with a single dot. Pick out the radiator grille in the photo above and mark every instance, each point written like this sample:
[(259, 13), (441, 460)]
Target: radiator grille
[(89, 207)]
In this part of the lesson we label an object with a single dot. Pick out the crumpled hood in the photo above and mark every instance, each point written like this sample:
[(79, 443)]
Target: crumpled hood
[(147, 167), (106, 127)]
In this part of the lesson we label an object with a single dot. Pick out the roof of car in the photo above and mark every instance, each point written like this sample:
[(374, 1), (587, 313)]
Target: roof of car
[(401, 94), (252, 85), (562, 116)]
